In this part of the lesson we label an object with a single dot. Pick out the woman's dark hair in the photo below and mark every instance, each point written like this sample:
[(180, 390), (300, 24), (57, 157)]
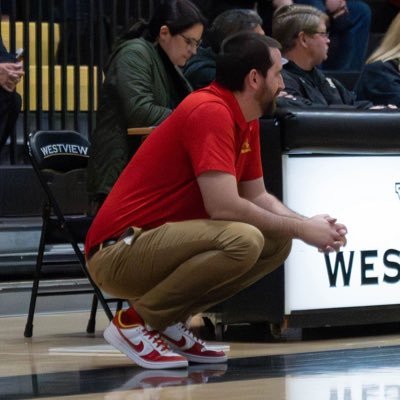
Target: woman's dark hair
[(240, 53), (178, 15)]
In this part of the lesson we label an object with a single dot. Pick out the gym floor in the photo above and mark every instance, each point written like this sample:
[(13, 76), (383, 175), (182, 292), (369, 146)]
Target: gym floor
[(62, 361)]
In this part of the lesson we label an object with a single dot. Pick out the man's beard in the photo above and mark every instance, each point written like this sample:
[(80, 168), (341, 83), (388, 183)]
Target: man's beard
[(269, 107), (266, 100)]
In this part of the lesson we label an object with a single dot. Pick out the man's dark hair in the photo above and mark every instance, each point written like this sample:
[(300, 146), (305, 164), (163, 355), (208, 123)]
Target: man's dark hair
[(231, 22), (240, 53)]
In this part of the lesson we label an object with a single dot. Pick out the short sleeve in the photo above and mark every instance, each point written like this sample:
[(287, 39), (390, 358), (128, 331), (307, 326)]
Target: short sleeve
[(209, 138)]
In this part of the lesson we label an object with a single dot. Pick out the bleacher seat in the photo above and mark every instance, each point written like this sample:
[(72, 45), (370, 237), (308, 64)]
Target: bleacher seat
[(19, 39), (58, 75), (58, 78)]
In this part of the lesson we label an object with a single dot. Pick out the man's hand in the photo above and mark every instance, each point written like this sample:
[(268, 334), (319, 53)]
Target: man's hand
[(383, 107), (336, 8), (10, 75), (323, 232), (286, 95), (280, 3)]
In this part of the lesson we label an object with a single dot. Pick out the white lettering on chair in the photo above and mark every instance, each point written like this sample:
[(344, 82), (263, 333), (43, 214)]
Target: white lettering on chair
[(60, 148)]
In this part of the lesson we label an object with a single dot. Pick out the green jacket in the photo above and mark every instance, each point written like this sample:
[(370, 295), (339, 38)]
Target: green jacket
[(140, 89)]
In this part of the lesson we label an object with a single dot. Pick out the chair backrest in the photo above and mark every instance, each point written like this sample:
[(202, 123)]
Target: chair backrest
[(59, 159), (58, 151)]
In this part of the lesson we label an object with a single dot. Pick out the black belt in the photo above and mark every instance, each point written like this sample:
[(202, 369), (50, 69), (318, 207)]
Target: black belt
[(100, 246), (109, 242)]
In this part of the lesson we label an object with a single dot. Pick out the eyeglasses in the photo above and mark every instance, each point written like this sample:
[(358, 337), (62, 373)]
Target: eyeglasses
[(324, 34), (193, 43)]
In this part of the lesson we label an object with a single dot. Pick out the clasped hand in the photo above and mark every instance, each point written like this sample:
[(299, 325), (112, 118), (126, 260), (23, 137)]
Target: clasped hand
[(323, 232)]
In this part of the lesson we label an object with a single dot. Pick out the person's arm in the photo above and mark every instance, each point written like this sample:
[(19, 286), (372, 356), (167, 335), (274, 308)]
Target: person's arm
[(349, 97), (380, 83), (255, 192), (135, 86), (10, 71), (292, 96), (223, 201)]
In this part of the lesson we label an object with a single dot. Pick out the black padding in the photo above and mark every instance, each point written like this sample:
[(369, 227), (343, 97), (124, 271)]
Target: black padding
[(341, 131)]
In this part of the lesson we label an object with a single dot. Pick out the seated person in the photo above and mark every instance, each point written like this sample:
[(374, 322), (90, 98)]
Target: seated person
[(200, 69), (349, 28), (10, 101), (349, 21), (302, 32), (189, 222), (380, 78), (143, 83)]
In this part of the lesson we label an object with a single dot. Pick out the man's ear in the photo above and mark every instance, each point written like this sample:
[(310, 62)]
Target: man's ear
[(253, 79), (301, 37)]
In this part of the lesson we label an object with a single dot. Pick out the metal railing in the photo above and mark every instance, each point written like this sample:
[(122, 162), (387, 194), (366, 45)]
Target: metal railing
[(66, 44)]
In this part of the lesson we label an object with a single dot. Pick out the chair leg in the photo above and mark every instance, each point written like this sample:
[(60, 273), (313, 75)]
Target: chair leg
[(13, 144), (97, 291), (106, 308), (119, 304), (32, 305), (36, 279), (91, 326)]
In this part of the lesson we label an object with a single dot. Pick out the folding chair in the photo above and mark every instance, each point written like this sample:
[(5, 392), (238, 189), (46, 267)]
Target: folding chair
[(59, 159)]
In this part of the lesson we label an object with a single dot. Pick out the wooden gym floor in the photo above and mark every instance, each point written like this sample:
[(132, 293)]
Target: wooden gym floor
[(62, 361)]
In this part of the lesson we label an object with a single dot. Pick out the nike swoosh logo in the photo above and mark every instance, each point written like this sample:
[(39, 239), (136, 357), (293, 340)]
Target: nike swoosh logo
[(137, 347), (181, 343)]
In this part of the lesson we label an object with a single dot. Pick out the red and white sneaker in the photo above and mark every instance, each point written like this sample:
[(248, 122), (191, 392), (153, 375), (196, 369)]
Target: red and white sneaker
[(184, 342), (142, 345)]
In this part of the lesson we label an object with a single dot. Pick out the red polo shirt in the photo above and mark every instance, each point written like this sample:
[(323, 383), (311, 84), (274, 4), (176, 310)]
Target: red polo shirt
[(206, 132)]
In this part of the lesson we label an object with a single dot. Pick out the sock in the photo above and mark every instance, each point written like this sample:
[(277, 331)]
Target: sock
[(130, 317)]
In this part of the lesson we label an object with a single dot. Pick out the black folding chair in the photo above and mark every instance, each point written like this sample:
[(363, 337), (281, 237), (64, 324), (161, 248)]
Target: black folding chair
[(59, 159)]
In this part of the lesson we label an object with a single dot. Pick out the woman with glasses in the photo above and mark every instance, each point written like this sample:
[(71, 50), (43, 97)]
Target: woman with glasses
[(143, 84)]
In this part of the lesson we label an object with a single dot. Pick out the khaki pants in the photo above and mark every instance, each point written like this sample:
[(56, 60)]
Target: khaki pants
[(183, 268)]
